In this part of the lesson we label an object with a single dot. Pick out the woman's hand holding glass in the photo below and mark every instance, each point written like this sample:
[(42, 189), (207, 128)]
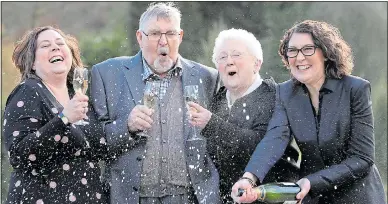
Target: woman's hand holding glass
[(198, 115), (80, 86), (77, 108)]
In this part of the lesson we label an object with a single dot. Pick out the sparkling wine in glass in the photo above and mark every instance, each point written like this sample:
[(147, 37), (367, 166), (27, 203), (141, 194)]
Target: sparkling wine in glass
[(80, 85), (150, 98), (191, 94), (80, 80)]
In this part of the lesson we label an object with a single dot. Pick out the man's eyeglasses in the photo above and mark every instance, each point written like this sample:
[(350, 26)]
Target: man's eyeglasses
[(223, 58), (307, 50), (155, 35)]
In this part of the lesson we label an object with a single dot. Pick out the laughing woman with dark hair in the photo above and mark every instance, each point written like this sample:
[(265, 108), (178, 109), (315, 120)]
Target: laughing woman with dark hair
[(53, 160)]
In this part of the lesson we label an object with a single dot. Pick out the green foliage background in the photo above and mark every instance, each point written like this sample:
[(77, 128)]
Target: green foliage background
[(107, 29)]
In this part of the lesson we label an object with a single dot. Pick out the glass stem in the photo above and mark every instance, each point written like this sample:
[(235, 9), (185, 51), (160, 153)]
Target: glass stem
[(194, 132)]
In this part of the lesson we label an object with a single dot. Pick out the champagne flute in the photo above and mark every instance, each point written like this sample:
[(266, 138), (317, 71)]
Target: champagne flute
[(191, 94), (80, 85), (149, 99)]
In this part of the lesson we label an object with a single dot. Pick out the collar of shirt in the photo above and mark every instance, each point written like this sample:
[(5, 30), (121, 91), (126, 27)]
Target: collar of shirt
[(258, 81), (149, 74), (328, 86)]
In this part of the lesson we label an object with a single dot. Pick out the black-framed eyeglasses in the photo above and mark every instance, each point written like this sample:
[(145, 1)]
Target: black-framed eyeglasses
[(156, 35), (306, 50)]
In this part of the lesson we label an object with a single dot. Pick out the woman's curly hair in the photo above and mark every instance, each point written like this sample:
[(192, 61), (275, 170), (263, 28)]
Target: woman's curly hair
[(328, 38)]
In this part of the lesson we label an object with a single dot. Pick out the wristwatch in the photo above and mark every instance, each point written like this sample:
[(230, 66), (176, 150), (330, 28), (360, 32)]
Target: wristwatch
[(64, 119)]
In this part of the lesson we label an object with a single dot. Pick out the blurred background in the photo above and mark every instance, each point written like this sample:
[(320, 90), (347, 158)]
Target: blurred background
[(107, 29)]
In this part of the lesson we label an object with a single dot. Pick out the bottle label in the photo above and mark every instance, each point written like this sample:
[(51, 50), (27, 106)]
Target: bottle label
[(291, 202), (288, 184)]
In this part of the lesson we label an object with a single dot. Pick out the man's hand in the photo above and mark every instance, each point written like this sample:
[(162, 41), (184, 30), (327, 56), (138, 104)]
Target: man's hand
[(198, 115), (140, 118), (305, 186)]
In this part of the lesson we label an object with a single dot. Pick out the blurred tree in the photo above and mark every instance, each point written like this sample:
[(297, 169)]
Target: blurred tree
[(9, 73), (134, 12), (279, 16), (10, 77), (245, 15), (97, 48), (207, 44)]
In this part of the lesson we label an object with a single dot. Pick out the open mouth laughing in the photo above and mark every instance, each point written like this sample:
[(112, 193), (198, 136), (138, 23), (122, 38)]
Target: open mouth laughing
[(56, 59), (303, 67), (232, 73), (163, 51)]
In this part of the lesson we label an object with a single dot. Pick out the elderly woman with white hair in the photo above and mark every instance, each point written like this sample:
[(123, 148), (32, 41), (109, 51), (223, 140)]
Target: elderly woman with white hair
[(240, 112)]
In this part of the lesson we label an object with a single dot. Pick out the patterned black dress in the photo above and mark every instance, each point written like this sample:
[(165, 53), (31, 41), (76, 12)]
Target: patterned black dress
[(52, 162)]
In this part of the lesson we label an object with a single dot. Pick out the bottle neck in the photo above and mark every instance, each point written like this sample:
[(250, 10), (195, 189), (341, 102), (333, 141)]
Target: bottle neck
[(260, 191)]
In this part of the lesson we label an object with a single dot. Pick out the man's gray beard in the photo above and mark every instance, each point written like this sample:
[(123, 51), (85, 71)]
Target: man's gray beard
[(162, 69)]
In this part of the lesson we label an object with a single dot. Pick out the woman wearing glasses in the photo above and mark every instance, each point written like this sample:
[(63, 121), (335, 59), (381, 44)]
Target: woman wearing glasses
[(240, 111), (329, 112)]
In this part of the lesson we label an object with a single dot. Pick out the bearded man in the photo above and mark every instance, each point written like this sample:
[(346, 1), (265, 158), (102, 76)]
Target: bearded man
[(152, 157)]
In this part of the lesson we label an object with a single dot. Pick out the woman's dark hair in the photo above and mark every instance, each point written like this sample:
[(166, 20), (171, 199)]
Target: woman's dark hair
[(23, 55), (328, 38)]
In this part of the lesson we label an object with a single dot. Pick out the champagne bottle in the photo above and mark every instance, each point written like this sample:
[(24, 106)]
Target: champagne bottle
[(281, 192)]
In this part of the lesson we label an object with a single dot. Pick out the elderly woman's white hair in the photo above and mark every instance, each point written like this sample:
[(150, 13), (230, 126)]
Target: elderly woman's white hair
[(242, 35)]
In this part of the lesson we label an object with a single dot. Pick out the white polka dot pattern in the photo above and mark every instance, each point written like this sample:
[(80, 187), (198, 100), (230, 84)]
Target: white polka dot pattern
[(66, 167), (53, 184), (57, 138), (84, 181), (71, 173), (32, 157), (20, 104), (72, 198), (64, 139)]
